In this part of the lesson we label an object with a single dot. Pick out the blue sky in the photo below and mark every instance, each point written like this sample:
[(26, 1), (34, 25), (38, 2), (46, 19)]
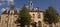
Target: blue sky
[(42, 4)]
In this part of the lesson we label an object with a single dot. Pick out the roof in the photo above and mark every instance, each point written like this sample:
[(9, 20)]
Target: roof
[(8, 12), (15, 11), (5, 12), (35, 11)]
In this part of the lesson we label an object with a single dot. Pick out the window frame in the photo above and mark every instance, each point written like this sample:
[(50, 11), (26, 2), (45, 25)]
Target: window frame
[(38, 15)]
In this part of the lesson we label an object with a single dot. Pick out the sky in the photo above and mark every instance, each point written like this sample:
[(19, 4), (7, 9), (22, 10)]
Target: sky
[(42, 4)]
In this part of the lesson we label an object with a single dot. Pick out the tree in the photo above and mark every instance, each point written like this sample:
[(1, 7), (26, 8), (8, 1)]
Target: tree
[(51, 15), (24, 17)]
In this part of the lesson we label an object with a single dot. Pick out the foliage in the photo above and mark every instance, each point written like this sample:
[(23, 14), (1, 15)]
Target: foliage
[(24, 17), (51, 15)]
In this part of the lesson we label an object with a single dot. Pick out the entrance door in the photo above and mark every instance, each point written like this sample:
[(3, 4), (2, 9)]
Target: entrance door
[(39, 24)]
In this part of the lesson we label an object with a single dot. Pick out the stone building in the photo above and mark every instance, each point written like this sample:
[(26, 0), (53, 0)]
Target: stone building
[(58, 24), (9, 17)]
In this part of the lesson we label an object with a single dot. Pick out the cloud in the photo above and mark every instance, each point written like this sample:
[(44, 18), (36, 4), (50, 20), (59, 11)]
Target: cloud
[(27, 6), (9, 1), (3, 9)]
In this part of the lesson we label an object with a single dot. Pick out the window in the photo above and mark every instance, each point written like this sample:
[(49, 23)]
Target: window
[(33, 15), (6, 22), (15, 16), (6, 19), (39, 24), (32, 20), (38, 15), (6, 16)]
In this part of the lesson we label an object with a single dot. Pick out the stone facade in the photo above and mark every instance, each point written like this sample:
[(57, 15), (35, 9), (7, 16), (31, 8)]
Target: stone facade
[(9, 17)]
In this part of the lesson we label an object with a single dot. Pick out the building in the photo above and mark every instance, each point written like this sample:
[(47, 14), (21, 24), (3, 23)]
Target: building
[(9, 17), (58, 24)]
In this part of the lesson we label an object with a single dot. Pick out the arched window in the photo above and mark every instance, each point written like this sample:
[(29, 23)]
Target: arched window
[(39, 24), (6, 20), (38, 15), (33, 16), (15, 18)]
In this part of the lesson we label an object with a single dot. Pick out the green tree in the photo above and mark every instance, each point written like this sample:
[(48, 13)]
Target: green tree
[(24, 17), (51, 15)]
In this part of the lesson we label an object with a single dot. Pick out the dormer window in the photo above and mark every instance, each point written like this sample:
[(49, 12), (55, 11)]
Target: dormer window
[(38, 15)]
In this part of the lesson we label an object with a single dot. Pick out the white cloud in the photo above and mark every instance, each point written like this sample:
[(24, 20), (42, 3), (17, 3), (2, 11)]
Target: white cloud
[(35, 8), (3, 9), (27, 6), (9, 1)]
